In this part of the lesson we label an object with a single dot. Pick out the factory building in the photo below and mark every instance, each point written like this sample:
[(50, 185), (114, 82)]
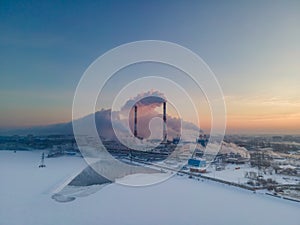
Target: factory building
[(197, 162)]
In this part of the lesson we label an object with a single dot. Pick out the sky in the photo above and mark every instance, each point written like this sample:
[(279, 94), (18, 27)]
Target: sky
[(253, 48)]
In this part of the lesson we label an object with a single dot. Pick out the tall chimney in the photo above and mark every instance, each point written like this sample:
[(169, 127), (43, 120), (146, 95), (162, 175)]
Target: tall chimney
[(135, 121), (165, 122)]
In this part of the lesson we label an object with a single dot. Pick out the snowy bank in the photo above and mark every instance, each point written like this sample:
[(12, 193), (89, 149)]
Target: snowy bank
[(26, 190)]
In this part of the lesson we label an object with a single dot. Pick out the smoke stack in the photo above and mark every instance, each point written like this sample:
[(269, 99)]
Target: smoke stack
[(165, 121), (135, 121)]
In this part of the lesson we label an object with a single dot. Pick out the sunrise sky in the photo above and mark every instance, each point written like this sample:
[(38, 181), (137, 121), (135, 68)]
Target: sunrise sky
[(253, 47)]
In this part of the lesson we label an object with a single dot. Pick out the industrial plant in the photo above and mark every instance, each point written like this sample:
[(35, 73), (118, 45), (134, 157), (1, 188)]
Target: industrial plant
[(165, 133)]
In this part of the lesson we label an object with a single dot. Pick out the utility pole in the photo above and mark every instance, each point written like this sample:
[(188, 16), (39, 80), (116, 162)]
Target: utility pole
[(42, 161)]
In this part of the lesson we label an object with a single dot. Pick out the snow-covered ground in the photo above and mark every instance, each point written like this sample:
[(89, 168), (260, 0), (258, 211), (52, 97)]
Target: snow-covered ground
[(26, 190), (236, 173)]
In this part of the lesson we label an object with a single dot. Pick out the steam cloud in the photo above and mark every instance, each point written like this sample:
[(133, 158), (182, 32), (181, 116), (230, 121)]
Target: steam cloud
[(147, 104), (148, 108), (151, 99)]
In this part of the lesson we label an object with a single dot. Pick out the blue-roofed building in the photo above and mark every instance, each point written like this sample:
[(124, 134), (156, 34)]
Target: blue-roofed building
[(197, 162)]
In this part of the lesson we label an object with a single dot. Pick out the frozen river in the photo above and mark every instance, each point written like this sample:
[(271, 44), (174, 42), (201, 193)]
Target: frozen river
[(26, 190)]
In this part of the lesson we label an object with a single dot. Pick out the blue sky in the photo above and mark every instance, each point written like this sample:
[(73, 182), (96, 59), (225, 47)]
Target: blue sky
[(252, 46)]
